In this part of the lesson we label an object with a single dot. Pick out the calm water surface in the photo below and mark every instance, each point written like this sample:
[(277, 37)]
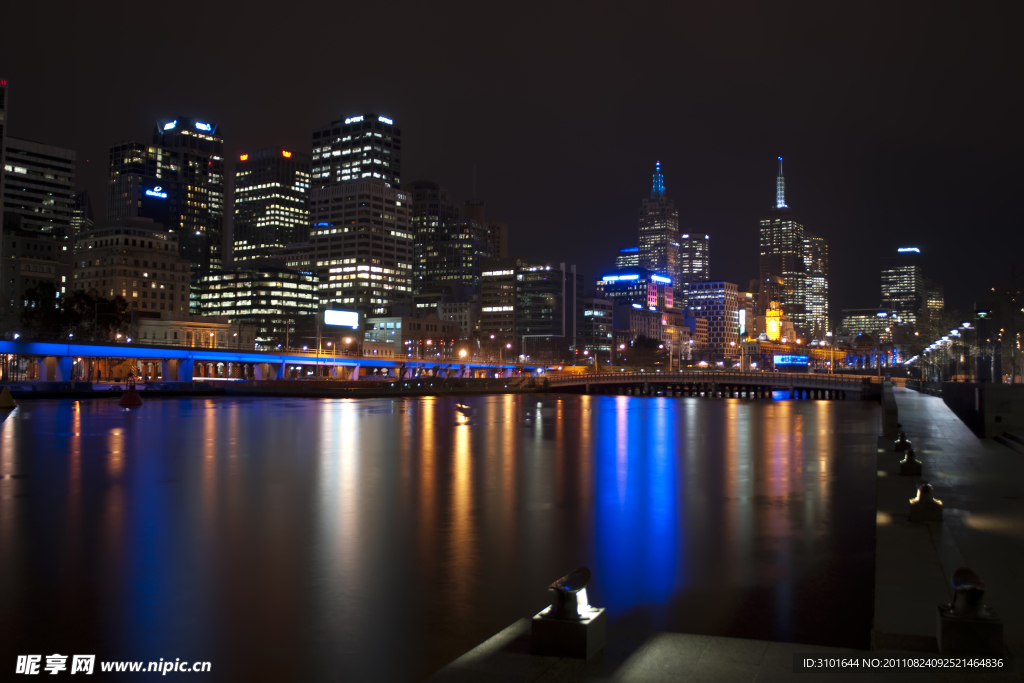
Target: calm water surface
[(379, 539)]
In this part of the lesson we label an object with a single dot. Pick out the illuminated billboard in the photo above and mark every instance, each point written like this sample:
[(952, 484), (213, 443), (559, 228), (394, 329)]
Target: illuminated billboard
[(791, 360), (342, 318)]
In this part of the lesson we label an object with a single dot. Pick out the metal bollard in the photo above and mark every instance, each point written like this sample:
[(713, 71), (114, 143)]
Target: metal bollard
[(966, 625), (926, 507), (909, 465), (570, 627), (902, 443)]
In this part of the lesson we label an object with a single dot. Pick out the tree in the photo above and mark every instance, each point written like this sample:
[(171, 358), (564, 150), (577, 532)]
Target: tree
[(647, 351), (46, 315), (42, 315)]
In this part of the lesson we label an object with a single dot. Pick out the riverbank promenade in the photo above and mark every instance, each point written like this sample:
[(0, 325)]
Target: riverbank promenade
[(980, 483)]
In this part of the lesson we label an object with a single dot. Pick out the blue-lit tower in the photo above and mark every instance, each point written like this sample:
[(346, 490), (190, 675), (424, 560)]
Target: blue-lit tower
[(658, 185), (780, 189), (659, 233)]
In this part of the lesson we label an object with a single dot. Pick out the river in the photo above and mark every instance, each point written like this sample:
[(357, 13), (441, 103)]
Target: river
[(287, 539)]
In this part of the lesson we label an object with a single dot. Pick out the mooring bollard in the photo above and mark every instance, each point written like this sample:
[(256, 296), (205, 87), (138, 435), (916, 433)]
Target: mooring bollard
[(570, 627), (902, 443), (909, 465), (926, 507), (966, 625)]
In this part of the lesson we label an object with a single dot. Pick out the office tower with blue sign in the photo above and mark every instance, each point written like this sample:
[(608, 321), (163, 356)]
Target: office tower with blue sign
[(361, 237), (176, 180), (358, 147), (659, 232), (271, 205)]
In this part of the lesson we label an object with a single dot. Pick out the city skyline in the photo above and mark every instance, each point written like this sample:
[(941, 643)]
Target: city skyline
[(869, 161)]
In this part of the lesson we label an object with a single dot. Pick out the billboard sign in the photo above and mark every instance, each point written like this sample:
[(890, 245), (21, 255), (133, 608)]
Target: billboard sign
[(342, 318)]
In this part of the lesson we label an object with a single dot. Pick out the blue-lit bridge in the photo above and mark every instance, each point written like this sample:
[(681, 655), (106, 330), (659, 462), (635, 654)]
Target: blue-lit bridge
[(59, 362), (712, 383)]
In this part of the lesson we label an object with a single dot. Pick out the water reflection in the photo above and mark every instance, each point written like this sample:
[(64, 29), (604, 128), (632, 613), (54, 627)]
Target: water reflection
[(383, 538)]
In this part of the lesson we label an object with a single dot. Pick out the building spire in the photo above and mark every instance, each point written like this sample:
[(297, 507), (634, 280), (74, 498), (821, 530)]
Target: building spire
[(780, 189), (658, 186)]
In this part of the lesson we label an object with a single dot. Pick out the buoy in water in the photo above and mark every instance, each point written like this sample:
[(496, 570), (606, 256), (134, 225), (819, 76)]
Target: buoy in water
[(130, 398), (6, 400)]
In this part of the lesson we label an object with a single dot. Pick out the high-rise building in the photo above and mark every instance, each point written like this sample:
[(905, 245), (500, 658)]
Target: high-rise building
[(362, 244), (81, 214), (271, 204), (549, 311), (274, 300), (596, 336), (816, 286), (629, 257), (934, 298), (719, 304), (358, 148), (178, 181), (496, 231), (535, 308), (361, 234), (38, 203), (431, 211), (659, 231), (903, 284), (39, 188), (137, 260), (782, 254), (694, 261)]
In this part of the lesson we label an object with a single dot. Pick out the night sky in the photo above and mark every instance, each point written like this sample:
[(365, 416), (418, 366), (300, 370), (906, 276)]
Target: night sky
[(900, 123)]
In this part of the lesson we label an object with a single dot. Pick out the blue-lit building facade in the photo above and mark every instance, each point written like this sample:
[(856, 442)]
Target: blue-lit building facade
[(637, 286), (629, 257), (176, 180)]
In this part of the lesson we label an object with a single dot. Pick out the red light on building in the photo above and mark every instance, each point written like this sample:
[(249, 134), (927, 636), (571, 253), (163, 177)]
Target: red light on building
[(244, 157), (286, 154)]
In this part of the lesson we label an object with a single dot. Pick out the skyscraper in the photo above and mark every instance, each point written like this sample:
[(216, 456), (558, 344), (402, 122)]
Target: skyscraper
[(178, 181), (782, 255), (271, 204), (694, 261), (361, 235), (903, 284), (362, 244), (356, 148), (816, 286), (629, 257), (38, 202), (659, 232)]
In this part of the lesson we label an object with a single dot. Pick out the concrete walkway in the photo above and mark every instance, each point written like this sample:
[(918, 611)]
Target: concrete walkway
[(982, 486)]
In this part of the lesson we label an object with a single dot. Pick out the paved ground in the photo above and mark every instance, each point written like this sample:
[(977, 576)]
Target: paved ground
[(981, 484)]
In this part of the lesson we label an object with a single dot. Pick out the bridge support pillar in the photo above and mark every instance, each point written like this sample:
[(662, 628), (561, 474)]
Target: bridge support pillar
[(55, 368), (176, 370)]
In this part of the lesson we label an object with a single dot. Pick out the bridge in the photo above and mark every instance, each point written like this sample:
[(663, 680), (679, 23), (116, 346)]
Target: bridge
[(67, 362), (721, 384)]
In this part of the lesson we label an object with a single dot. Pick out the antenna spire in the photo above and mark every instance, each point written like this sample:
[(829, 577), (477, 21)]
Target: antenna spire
[(780, 189), (658, 185)]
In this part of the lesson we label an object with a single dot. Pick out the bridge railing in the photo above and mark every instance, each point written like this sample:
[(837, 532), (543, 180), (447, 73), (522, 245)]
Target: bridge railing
[(802, 379)]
